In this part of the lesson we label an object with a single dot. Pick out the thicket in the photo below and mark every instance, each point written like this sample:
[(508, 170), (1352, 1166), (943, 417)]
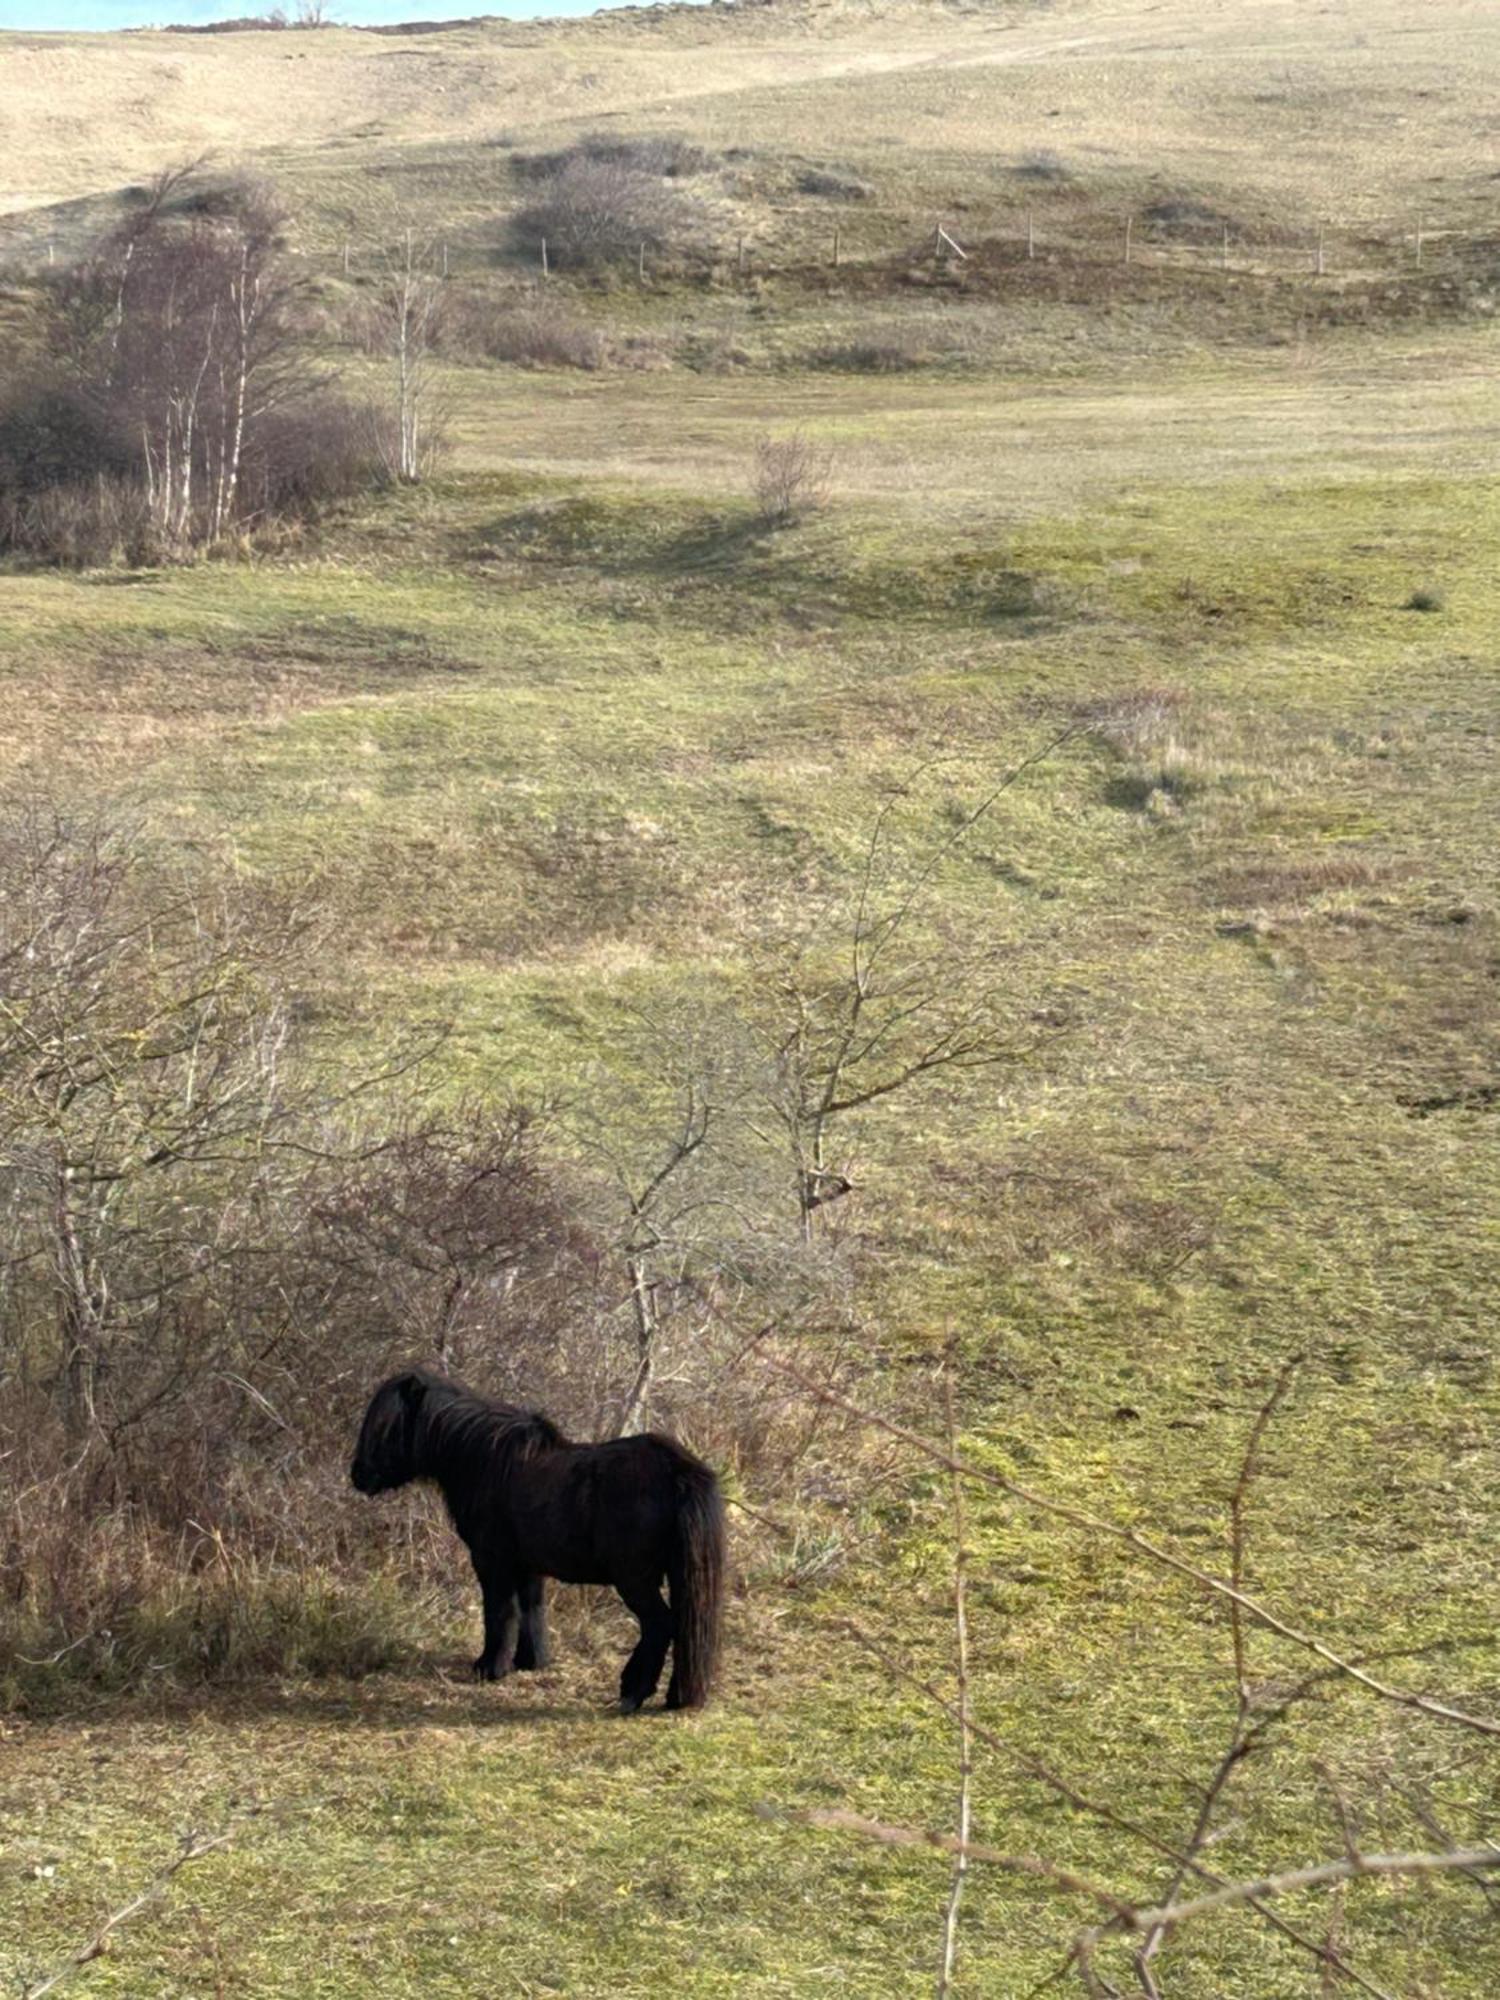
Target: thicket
[(599, 204), (166, 399)]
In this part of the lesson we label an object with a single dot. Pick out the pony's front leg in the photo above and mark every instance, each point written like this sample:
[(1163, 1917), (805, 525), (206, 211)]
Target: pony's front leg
[(502, 1620), (533, 1651)]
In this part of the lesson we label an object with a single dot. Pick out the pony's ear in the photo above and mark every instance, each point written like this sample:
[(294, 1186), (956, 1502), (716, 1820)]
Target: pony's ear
[(413, 1389)]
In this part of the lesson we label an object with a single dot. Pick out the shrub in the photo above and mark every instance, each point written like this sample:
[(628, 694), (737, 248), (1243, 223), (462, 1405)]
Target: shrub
[(86, 524), (1425, 600), (173, 402), (791, 476), (831, 186), (666, 157), (891, 354), (543, 337), (596, 213), (1043, 165)]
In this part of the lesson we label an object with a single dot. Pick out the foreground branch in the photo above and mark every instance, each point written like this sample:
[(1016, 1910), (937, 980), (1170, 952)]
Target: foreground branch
[(1079, 1517), (836, 1820), (1348, 1868), (194, 1847)]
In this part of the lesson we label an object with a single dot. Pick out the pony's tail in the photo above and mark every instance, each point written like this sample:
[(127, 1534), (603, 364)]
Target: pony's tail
[(696, 1576)]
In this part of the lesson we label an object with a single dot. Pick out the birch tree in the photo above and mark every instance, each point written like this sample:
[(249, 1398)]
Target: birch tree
[(405, 324)]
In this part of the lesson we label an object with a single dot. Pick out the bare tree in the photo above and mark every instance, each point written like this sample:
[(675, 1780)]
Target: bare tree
[(404, 323), (849, 1016), (666, 1194), (141, 1060), (185, 331)]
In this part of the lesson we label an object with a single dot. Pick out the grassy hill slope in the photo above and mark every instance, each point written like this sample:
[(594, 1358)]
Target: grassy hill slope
[(556, 734)]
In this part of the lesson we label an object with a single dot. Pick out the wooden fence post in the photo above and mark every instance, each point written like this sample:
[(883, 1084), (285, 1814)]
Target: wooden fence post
[(1129, 232), (640, 264), (1030, 234), (1224, 252), (546, 267), (1420, 220)]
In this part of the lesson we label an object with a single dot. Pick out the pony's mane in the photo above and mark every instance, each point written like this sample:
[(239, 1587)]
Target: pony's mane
[(459, 1423)]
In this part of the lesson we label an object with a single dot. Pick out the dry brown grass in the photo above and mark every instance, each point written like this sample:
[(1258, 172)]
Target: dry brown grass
[(1348, 112)]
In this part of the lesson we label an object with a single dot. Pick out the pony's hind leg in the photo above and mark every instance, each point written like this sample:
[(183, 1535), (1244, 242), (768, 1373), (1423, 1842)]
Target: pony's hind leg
[(643, 1669), (502, 1619), (533, 1651)]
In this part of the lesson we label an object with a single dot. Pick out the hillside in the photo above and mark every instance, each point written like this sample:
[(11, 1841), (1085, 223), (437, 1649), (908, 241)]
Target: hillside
[(1140, 641), (1352, 111)]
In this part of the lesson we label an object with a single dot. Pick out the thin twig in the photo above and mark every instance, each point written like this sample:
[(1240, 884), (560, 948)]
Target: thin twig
[(1131, 1538), (1036, 1866), (1347, 1868), (194, 1847), (965, 1719), (1330, 1959), (1244, 1734)]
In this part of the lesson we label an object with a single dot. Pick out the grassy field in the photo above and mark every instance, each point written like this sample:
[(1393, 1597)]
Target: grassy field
[(559, 734)]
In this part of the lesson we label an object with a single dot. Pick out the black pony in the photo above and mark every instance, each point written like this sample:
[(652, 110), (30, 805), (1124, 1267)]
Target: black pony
[(530, 1505)]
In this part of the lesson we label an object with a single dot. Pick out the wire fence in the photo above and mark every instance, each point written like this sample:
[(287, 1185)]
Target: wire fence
[(802, 239)]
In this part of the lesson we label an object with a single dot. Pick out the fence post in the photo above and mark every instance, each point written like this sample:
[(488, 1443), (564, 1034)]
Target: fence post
[(1030, 234), (1420, 220), (445, 259), (1224, 252), (640, 264), (546, 267), (1129, 232)]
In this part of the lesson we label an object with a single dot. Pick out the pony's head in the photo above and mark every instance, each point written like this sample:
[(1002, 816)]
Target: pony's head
[(386, 1455)]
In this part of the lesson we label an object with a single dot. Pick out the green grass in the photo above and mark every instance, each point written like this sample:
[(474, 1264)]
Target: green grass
[(555, 748)]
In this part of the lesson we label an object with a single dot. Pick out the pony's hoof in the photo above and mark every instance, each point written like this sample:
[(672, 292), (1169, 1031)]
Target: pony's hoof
[(629, 1704), (486, 1670)]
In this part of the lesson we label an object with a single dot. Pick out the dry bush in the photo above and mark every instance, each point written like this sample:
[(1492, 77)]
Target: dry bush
[(543, 337), (832, 185), (1044, 166), (791, 477), (597, 213), (1134, 723), (90, 525), (665, 155), (892, 353), (213, 1243), (306, 14)]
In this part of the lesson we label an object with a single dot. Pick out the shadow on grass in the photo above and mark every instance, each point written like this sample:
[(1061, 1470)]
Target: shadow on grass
[(433, 1690), (583, 531)]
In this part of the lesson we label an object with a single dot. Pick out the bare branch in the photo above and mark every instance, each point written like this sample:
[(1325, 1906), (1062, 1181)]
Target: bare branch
[(961, 1662), (1131, 1538), (836, 1820), (194, 1847)]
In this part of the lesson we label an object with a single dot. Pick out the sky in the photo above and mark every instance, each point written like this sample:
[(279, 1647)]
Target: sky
[(153, 13)]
